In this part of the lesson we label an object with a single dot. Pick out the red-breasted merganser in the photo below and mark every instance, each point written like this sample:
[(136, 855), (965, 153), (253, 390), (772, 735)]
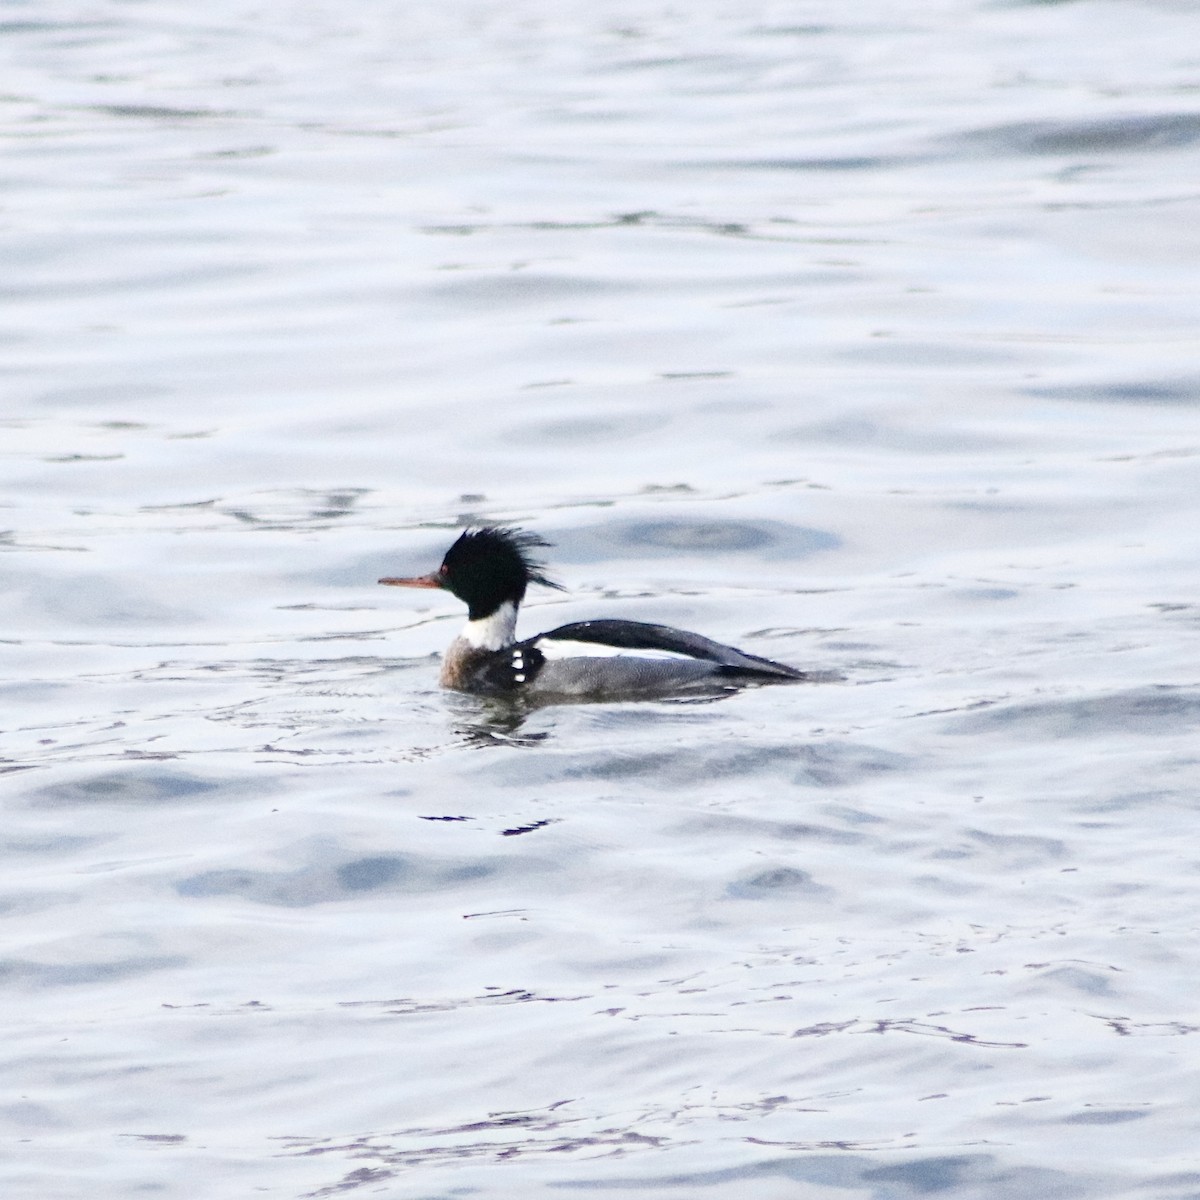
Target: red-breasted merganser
[(490, 567)]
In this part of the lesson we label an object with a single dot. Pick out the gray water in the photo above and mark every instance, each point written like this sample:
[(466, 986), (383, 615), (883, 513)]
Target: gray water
[(863, 337)]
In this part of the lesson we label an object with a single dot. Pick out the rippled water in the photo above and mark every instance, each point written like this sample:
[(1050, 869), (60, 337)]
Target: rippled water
[(865, 339)]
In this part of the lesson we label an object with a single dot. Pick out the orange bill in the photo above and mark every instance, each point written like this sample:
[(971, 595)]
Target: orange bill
[(421, 581)]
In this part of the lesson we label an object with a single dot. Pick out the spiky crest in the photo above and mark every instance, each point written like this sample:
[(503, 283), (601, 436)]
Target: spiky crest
[(490, 564)]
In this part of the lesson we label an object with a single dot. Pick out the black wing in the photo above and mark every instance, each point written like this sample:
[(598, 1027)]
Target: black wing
[(640, 635)]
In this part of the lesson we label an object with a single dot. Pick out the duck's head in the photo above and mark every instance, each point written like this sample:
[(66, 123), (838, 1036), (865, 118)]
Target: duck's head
[(487, 567)]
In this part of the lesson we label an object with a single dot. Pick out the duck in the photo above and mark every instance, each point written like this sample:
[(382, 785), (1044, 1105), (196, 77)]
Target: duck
[(490, 568)]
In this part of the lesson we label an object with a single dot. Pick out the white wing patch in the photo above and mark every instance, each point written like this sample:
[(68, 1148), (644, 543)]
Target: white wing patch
[(554, 648)]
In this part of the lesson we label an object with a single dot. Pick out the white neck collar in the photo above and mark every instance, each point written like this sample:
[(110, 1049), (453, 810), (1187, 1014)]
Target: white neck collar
[(493, 632)]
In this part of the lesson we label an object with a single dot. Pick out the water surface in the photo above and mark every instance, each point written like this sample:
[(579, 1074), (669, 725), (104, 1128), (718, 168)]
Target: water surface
[(866, 341)]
